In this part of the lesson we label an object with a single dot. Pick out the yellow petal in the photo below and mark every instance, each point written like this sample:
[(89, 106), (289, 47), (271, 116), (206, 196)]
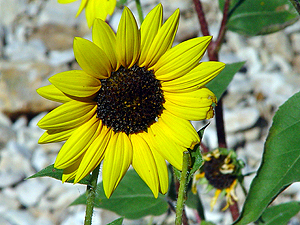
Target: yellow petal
[(202, 97), (128, 40), (105, 38), (178, 129), (69, 115), (94, 154), (195, 79), (144, 164), (81, 7), (190, 113), (91, 58), (49, 137), (163, 40), (160, 162), (165, 146), (149, 29), (110, 6), (65, 1), (95, 9), (69, 173), (179, 60), (162, 172), (117, 159), (52, 93), (77, 144), (76, 83)]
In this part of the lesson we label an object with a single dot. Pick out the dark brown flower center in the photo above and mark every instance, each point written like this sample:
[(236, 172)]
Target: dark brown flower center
[(130, 100), (213, 174)]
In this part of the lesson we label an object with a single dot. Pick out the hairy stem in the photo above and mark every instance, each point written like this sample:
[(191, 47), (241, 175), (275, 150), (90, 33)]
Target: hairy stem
[(182, 189), (91, 192)]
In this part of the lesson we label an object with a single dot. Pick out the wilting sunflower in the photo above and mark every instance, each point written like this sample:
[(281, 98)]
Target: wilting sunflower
[(131, 103), (220, 170), (94, 8)]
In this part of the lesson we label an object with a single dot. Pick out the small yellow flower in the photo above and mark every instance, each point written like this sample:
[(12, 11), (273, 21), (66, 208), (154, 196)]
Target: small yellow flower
[(131, 103), (94, 8), (221, 170)]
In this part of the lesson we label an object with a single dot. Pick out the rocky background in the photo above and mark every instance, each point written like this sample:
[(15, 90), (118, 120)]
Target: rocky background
[(36, 38)]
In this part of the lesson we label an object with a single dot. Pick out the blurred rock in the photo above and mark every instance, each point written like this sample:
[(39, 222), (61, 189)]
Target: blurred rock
[(30, 192)]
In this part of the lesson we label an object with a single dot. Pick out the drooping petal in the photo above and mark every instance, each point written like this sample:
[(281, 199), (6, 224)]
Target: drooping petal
[(76, 83), (91, 58), (144, 164), (128, 40), (117, 159), (149, 29), (94, 154), (52, 93), (202, 97), (69, 115), (53, 136), (195, 79), (81, 7), (178, 129), (77, 144), (105, 38), (165, 146), (180, 59), (163, 40), (190, 113)]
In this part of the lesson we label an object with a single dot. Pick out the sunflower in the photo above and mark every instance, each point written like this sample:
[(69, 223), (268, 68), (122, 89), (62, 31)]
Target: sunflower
[(131, 103), (94, 8), (221, 171)]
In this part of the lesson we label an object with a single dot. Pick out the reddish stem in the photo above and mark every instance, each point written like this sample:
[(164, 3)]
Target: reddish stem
[(213, 54), (234, 209), (201, 18)]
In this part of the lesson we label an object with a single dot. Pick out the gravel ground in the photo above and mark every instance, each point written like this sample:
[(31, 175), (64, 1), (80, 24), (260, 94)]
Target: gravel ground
[(36, 40)]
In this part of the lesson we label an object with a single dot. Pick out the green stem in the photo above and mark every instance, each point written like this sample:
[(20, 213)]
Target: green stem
[(140, 11), (182, 188), (91, 192), (296, 4)]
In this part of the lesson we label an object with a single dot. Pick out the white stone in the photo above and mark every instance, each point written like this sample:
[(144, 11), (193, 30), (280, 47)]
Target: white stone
[(58, 58), (252, 134), (20, 123), (18, 217), (40, 159), (293, 189), (30, 191), (254, 151), (60, 13), (4, 120), (240, 118), (8, 201)]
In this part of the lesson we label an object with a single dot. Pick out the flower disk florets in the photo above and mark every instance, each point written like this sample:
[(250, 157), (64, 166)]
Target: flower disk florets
[(130, 100), (215, 176)]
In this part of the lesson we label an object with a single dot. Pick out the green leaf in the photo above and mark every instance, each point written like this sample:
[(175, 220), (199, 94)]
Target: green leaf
[(197, 162), (118, 221), (207, 223), (50, 171), (257, 17), (132, 199), (281, 161), (279, 214), (219, 85)]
